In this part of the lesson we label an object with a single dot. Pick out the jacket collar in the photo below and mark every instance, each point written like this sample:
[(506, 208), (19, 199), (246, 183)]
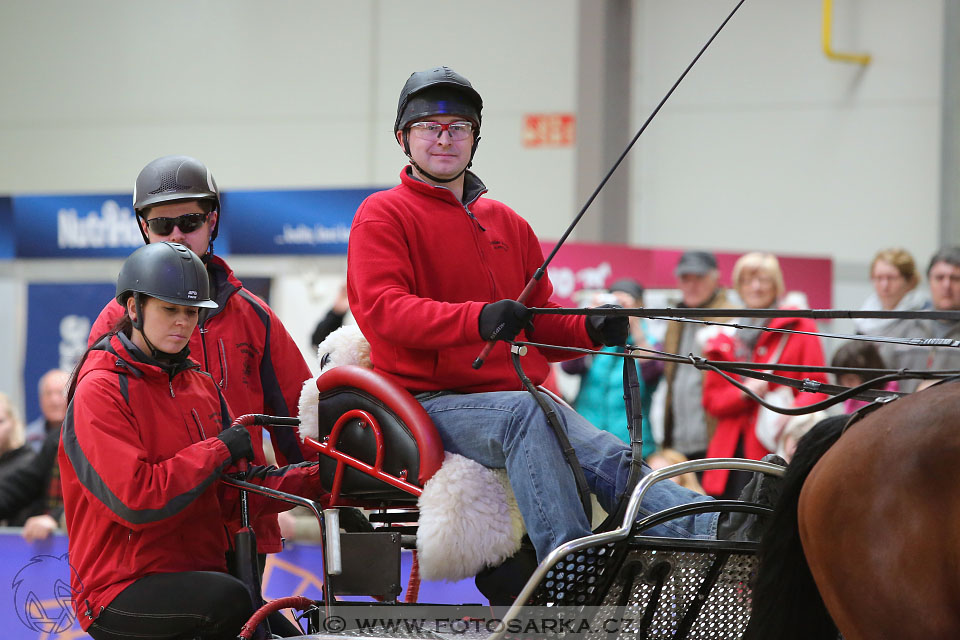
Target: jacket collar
[(118, 351), (223, 284), (473, 187)]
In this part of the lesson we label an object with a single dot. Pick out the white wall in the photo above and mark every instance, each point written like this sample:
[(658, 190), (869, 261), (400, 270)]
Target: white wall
[(767, 144), (770, 145), (300, 93), (765, 132)]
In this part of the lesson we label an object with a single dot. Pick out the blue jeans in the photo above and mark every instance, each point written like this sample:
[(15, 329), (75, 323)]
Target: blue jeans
[(507, 429)]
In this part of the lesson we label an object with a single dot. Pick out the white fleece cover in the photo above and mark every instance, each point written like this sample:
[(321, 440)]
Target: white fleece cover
[(469, 520), (469, 517)]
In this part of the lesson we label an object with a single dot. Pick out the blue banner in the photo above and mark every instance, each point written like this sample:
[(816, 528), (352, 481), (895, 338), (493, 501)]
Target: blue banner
[(60, 316), (291, 222), (254, 222), (35, 595), (78, 226)]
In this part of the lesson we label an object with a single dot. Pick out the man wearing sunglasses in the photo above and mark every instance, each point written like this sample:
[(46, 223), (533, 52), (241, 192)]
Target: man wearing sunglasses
[(433, 272), (242, 344)]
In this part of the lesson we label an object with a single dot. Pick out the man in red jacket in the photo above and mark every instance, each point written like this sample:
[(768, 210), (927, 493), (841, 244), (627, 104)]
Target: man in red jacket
[(242, 344), (433, 272)]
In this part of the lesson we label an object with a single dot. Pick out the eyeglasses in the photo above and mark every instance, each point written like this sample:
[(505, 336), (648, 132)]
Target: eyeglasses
[(187, 222), (459, 130)]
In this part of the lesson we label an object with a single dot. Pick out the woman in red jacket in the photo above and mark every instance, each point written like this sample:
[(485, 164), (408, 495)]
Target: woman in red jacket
[(758, 280), (144, 442)]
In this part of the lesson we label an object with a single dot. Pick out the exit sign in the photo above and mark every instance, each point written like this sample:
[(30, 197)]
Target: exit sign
[(549, 129)]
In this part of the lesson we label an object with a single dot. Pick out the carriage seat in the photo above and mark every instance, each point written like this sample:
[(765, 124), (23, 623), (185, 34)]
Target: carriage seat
[(379, 449)]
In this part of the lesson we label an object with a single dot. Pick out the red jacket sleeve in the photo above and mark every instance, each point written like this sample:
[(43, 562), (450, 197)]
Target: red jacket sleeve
[(300, 479), (282, 378), (100, 440), (720, 398), (804, 350)]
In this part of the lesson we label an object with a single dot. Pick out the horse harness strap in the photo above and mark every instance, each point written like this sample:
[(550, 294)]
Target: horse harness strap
[(634, 408), (955, 378), (866, 410), (568, 452)]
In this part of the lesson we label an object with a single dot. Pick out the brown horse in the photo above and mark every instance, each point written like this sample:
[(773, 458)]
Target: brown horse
[(868, 529)]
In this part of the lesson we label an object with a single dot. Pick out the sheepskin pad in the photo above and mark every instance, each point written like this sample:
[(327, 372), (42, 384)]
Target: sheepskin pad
[(346, 345), (469, 520)]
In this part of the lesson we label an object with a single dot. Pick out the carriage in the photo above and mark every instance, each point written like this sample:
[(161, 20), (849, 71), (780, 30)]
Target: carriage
[(378, 451)]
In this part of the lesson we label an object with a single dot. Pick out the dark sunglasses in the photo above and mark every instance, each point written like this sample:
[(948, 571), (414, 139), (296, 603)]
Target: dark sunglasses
[(187, 222)]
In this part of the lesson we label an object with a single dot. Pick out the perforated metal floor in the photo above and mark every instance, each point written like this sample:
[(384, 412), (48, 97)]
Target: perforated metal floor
[(666, 592)]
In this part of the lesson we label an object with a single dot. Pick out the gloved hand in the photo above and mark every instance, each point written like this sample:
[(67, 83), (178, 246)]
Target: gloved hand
[(610, 331), (238, 441), (503, 320)]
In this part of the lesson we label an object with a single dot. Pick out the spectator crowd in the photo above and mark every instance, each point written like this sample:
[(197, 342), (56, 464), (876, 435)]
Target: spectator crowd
[(698, 414)]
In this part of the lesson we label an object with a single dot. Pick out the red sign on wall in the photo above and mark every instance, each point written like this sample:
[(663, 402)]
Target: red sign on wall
[(549, 129), (584, 265)]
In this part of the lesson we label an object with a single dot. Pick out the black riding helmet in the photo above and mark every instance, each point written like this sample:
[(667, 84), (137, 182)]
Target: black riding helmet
[(167, 271), (436, 91), (172, 179)]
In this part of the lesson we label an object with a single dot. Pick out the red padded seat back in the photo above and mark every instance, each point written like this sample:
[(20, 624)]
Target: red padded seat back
[(412, 449)]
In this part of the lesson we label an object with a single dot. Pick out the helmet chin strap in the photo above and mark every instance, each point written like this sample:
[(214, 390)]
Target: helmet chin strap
[(205, 258), (156, 354), (431, 176)]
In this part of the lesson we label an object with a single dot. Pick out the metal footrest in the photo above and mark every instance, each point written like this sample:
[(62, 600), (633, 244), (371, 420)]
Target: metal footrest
[(654, 588)]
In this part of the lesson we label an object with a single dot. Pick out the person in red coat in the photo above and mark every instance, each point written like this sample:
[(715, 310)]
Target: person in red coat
[(758, 280), (146, 437), (242, 343)]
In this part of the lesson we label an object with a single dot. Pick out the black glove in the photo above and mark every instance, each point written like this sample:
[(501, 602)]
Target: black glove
[(610, 331), (238, 441), (503, 320)]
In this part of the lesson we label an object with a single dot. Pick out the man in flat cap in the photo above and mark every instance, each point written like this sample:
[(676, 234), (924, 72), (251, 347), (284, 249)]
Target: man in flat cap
[(686, 427)]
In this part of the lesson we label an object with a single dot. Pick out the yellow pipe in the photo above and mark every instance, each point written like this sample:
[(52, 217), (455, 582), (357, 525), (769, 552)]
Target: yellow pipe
[(859, 58)]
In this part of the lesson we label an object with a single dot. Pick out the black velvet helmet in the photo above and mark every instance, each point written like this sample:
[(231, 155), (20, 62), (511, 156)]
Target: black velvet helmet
[(172, 179), (440, 90), (167, 271)]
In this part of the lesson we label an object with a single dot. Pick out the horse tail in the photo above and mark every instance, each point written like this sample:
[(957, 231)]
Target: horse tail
[(786, 602)]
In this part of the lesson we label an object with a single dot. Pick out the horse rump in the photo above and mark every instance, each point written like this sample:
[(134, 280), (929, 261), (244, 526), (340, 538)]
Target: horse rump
[(786, 602)]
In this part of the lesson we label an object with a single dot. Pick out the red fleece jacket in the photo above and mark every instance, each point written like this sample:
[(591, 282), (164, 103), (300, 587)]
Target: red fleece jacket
[(420, 267)]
